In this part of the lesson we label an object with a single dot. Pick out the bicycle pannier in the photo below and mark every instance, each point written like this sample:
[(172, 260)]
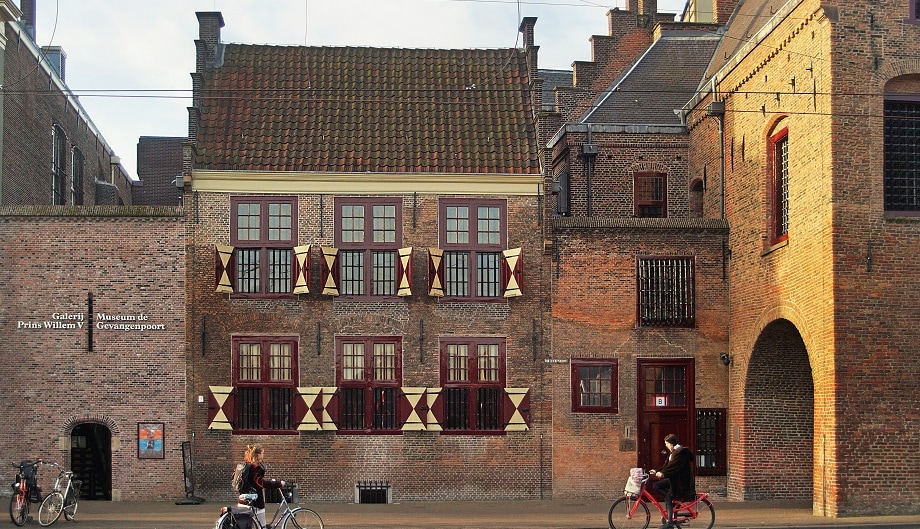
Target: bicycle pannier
[(242, 518)]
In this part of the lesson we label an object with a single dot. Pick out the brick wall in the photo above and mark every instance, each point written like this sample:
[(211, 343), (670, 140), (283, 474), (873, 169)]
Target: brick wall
[(159, 162), (51, 260)]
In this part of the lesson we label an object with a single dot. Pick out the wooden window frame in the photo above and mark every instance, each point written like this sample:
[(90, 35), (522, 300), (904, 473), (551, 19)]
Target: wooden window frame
[(778, 164), (640, 203), (660, 307), (368, 385), (264, 244), (472, 250), (577, 364), (368, 249), (265, 385), (473, 384), (914, 15)]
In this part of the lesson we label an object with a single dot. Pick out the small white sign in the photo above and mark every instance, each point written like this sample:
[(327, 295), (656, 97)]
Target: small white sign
[(661, 400)]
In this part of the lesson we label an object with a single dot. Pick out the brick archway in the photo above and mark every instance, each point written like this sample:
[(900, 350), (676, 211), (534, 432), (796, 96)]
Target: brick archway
[(777, 426)]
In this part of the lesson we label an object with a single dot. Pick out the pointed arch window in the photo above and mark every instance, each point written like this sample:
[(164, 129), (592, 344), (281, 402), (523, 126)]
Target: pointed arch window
[(779, 186)]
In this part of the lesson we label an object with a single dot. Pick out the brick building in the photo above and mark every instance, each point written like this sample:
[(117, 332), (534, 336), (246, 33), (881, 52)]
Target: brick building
[(369, 212), (93, 345), (159, 165), (50, 150)]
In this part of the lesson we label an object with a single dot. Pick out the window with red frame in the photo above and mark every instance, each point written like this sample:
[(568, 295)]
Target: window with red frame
[(915, 10), (473, 235), (263, 231), (369, 374), (368, 235), (265, 381), (779, 175), (594, 386), (711, 446), (651, 191), (472, 384)]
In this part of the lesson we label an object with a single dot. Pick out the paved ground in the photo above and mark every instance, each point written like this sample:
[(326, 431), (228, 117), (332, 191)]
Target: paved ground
[(521, 514)]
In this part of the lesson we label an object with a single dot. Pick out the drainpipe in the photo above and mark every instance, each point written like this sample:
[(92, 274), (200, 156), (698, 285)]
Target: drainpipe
[(717, 110), (589, 152)]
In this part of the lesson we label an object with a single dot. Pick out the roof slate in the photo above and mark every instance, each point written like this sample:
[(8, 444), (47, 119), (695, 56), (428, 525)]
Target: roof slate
[(361, 109), (661, 81)]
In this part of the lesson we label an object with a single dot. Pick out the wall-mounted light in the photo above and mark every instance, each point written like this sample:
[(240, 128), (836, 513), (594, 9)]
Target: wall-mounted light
[(725, 359)]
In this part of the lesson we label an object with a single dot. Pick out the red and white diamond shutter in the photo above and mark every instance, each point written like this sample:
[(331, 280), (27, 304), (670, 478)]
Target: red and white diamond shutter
[(513, 273), (516, 409), (435, 405), (436, 272), (223, 269), (316, 409), (221, 406), (302, 269), (330, 277), (413, 408), (404, 272)]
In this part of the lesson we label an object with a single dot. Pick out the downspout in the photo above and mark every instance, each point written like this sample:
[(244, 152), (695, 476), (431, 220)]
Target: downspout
[(589, 151)]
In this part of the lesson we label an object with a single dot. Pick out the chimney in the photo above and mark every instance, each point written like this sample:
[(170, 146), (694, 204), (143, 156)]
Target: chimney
[(642, 7), (208, 43), (28, 17), (530, 51), (723, 9)]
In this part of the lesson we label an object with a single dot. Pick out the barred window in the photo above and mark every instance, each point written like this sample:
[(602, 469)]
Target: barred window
[(666, 292), (594, 387), (651, 195), (472, 378), (369, 374), (77, 163), (264, 377), (263, 230), (711, 448), (474, 236), (902, 157), (368, 234), (58, 166), (779, 188)]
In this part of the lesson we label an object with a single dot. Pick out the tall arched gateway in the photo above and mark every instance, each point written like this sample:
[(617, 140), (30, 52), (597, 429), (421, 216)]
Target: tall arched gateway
[(91, 460), (777, 420)]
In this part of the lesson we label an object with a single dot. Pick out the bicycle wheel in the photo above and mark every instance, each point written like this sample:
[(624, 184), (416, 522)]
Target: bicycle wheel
[(705, 518), (225, 522), (50, 509), (302, 518), (628, 513), (19, 509), (71, 504)]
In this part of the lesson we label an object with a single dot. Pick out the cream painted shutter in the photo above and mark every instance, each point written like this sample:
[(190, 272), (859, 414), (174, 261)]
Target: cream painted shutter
[(220, 407), (404, 273), (436, 272), (302, 269), (517, 409), (223, 269), (330, 271), (513, 273)]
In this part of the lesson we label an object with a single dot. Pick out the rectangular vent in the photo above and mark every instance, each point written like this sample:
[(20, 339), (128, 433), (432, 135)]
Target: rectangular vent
[(373, 492)]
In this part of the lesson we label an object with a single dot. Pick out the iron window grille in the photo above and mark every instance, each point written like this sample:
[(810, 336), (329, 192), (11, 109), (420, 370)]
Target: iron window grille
[(902, 158), (264, 231), (369, 373), (368, 235), (77, 163), (58, 166), (473, 235), (711, 446), (779, 174), (666, 292), (473, 379), (651, 190), (265, 380)]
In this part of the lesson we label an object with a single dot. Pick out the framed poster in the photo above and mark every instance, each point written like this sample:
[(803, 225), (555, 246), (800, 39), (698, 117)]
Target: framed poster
[(150, 440)]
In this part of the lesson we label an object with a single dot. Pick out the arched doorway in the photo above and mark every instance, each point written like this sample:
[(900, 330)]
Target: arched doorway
[(778, 417), (91, 460)]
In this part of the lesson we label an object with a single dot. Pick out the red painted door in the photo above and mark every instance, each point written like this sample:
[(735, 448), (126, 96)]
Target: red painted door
[(665, 406)]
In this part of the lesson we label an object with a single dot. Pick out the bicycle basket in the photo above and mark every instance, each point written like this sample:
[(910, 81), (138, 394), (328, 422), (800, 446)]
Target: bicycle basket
[(242, 518), (35, 494), (28, 470), (634, 483)]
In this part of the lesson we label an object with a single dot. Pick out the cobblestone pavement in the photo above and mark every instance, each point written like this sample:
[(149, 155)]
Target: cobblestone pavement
[(519, 514)]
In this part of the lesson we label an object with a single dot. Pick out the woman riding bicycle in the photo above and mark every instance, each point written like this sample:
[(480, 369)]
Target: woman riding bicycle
[(675, 477), (257, 483)]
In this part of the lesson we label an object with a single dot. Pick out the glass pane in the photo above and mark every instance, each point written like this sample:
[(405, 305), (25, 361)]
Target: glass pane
[(279, 408), (488, 416), (249, 408), (665, 386), (384, 224), (488, 363), (279, 222), (458, 225), (352, 223), (247, 270), (457, 363), (352, 272), (280, 362), (595, 385), (384, 408), (457, 274), (384, 361), (456, 408), (247, 221), (384, 272), (250, 361), (351, 402), (488, 274), (489, 227), (353, 361), (279, 271)]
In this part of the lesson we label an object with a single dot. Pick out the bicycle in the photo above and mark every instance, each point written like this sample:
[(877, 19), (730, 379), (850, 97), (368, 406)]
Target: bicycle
[(245, 517), (632, 512), (25, 491), (57, 502)]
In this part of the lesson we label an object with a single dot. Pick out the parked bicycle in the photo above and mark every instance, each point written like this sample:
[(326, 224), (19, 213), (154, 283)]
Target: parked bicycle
[(632, 512), (60, 500), (25, 491), (244, 517)]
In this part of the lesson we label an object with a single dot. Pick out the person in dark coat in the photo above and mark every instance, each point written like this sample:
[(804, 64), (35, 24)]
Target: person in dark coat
[(675, 478), (257, 483)]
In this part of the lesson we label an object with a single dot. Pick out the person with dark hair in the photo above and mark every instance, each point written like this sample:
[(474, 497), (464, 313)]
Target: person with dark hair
[(675, 478)]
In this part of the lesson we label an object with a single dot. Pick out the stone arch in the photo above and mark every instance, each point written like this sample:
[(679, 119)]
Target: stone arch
[(896, 69), (106, 421), (88, 443)]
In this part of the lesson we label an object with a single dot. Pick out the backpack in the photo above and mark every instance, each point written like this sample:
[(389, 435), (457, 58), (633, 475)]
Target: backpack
[(240, 481)]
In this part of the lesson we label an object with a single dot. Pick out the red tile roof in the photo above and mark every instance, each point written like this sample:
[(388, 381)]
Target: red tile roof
[(359, 109)]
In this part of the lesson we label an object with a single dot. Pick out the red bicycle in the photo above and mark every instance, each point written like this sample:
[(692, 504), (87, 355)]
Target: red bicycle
[(632, 512), (25, 491)]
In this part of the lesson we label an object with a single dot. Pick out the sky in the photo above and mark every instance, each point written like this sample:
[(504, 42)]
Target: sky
[(129, 61)]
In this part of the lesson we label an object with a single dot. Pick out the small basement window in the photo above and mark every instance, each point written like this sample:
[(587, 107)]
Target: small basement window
[(373, 492)]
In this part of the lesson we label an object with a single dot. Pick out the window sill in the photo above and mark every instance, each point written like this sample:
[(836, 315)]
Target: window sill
[(772, 248), (902, 216)]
